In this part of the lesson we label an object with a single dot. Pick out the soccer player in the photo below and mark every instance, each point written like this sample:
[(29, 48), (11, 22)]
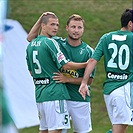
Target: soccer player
[(117, 49), (44, 57), (74, 49)]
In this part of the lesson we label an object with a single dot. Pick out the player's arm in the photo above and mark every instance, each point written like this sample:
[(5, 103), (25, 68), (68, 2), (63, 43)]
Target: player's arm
[(88, 70), (74, 65), (60, 78), (36, 28), (83, 90), (79, 80)]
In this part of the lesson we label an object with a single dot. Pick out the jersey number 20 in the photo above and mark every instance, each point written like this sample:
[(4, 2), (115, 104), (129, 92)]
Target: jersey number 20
[(119, 52)]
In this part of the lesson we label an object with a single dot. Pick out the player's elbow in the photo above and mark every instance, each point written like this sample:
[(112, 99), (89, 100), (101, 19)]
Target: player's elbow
[(29, 39), (92, 61)]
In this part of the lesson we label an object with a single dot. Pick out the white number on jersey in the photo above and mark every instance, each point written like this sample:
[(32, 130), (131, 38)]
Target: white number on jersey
[(35, 60), (119, 52)]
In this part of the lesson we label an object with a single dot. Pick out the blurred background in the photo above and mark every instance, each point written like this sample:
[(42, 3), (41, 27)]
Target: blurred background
[(101, 16)]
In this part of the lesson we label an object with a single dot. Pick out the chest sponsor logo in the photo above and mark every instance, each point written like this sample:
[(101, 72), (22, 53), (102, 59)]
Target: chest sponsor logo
[(70, 73)]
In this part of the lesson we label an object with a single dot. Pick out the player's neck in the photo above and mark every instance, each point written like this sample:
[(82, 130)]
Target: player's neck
[(125, 29), (73, 42)]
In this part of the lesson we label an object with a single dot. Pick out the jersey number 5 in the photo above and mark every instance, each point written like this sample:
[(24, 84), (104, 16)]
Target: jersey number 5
[(36, 61)]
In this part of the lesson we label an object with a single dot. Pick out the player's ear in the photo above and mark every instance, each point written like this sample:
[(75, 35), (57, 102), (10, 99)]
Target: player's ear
[(130, 23), (43, 25), (130, 26), (66, 27)]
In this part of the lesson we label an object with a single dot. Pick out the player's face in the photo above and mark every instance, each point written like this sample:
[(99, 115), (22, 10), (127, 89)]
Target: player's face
[(75, 29), (51, 28)]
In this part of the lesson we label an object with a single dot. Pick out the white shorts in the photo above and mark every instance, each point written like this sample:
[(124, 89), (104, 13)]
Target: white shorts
[(131, 95), (53, 115), (118, 105), (80, 115)]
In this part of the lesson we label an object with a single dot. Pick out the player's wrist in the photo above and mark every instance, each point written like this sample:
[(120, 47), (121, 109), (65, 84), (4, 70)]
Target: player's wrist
[(67, 80)]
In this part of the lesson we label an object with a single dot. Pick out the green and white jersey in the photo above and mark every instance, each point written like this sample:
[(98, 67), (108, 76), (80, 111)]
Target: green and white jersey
[(79, 53), (44, 57), (117, 50)]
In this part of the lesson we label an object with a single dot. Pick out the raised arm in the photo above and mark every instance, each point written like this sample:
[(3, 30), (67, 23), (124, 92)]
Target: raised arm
[(36, 28)]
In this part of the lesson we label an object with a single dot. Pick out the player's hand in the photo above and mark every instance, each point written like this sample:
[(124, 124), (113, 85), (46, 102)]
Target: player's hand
[(45, 14), (83, 90), (59, 77)]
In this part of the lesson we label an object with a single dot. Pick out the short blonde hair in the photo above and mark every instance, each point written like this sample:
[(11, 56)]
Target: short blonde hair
[(46, 17), (75, 17)]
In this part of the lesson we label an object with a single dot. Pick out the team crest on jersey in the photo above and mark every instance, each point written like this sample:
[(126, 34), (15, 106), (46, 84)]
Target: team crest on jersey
[(60, 56), (70, 73), (81, 51)]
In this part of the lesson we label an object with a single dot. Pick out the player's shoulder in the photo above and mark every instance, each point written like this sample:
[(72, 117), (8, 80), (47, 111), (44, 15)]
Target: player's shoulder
[(87, 46), (52, 43), (57, 38), (110, 33), (50, 40)]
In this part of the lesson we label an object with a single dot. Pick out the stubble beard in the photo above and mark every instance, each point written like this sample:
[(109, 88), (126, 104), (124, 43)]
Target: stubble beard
[(72, 38)]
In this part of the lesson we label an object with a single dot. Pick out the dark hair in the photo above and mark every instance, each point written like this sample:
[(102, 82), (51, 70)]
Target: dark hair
[(46, 17), (126, 17), (75, 17)]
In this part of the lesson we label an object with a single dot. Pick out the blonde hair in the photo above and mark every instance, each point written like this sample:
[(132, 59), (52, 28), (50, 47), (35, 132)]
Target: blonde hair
[(75, 17), (46, 17)]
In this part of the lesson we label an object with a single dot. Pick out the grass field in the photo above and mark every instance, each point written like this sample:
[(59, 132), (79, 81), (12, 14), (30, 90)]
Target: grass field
[(100, 16)]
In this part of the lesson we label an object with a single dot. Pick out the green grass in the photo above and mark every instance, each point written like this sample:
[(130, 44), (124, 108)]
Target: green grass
[(100, 16)]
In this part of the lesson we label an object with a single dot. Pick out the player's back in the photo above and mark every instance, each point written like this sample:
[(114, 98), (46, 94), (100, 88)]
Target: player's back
[(118, 51), (118, 58), (43, 57)]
